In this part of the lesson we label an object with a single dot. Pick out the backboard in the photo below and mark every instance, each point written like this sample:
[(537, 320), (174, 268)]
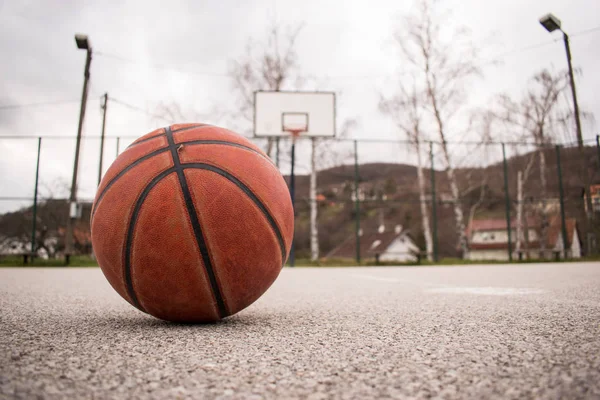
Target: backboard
[(281, 113)]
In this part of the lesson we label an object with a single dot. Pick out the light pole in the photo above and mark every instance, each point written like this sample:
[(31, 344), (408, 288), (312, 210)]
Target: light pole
[(551, 23), (84, 44)]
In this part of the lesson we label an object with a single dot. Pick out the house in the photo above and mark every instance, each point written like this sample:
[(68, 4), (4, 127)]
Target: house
[(488, 239), (595, 192), (388, 245)]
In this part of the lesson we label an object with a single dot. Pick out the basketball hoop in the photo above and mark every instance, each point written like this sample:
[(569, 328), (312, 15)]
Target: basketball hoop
[(281, 114), (294, 123), (295, 133)]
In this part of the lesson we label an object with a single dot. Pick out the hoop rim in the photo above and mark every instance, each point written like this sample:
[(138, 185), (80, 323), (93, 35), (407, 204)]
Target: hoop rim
[(295, 132)]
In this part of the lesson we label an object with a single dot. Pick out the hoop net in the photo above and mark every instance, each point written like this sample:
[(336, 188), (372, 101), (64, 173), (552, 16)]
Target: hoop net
[(295, 132)]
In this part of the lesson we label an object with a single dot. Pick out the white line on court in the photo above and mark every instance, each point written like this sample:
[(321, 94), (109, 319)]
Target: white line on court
[(397, 280), (487, 291), (449, 289)]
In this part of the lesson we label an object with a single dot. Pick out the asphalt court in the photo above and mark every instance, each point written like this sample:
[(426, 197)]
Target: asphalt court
[(493, 331)]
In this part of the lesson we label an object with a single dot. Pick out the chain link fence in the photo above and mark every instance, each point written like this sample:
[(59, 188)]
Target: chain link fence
[(377, 201)]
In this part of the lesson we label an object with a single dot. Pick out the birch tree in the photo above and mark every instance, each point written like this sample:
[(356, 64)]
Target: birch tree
[(536, 117), (314, 230), (272, 65), (324, 154), (484, 122), (405, 108), (444, 61)]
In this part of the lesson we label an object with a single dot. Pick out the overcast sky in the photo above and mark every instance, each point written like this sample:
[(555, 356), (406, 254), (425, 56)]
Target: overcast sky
[(347, 45)]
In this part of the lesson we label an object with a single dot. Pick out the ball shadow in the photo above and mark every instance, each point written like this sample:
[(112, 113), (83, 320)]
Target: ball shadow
[(140, 320)]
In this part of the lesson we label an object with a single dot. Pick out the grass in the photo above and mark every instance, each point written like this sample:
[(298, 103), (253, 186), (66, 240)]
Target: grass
[(76, 261), (303, 262), (88, 261)]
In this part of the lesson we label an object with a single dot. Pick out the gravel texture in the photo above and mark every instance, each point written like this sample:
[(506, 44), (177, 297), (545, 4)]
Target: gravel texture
[(520, 331)]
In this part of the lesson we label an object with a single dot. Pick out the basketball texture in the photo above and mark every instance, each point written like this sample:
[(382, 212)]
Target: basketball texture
[(192, 223)]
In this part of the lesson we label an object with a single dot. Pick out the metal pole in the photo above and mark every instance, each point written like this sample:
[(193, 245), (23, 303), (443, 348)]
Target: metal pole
[(507, 202), (356, 201), (293, 195), (277, 152), (118, 139), (35, 195), (103, 107), (73, 196), (562, 201), (586, 175), (433, 206), (573, 91), (598, 148)]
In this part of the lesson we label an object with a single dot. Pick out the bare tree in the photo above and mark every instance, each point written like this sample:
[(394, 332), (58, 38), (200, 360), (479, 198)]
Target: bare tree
[(483, 122), (52, 209), (314, 230), (270, 65), (445, 61), (537, 117), (406, 109)]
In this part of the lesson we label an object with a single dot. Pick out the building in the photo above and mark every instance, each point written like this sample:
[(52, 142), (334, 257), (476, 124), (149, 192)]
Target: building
[(595, 192), (488, 239), (384, 245)]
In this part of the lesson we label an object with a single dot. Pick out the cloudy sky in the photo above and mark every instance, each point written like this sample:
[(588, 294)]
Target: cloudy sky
[(148, 53)]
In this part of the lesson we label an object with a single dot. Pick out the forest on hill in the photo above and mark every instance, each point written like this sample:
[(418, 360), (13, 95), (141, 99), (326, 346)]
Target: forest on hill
[(388, 195)]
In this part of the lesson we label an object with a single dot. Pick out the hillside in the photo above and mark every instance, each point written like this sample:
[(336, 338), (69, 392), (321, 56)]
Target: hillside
[(389, 193), (398, 182)]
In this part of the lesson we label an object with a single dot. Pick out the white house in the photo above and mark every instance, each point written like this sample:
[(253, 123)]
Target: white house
[(395, 245), (488, 240)]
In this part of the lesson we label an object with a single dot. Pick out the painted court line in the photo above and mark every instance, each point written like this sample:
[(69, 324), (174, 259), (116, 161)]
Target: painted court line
[(487, 291), (449, 289), (397, 280)]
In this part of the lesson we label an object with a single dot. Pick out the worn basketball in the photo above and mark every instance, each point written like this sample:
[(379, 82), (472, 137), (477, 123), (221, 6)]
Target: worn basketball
[(192, 223)]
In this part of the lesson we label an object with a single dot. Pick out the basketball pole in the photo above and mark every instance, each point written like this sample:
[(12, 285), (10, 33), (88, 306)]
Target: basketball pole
[(277, 152), (293, 196)]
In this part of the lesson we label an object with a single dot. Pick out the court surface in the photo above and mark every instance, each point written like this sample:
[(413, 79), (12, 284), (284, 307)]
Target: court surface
[(520, 331)]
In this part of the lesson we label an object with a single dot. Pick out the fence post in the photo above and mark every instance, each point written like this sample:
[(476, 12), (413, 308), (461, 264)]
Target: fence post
[(562, 201), (433, 206), (35, 194), (598, 148), (507, 203), (277, 152), (118, 138), (356, 201)]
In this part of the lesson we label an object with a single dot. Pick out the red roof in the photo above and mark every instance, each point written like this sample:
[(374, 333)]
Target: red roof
[(347, 249), (497, 224), (555, 230), (552, 234)]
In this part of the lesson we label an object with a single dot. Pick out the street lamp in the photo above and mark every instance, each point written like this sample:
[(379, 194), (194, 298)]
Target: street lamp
[(83, 43), (551, 24)]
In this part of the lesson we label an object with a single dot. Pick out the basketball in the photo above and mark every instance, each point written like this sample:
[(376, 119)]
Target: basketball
[(192, 223)]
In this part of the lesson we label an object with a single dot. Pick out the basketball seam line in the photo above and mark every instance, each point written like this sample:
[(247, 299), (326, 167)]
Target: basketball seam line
[(191, 209), (131, 232), (146, 139), (162, 150), (229, 176), (123, 171), (164, 133)]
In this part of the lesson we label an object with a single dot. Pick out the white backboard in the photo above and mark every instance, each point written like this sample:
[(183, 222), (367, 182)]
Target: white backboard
[(275, 113)]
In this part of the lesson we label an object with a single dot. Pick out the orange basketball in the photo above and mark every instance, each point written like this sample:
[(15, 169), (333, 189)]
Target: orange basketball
[(192, 223)]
